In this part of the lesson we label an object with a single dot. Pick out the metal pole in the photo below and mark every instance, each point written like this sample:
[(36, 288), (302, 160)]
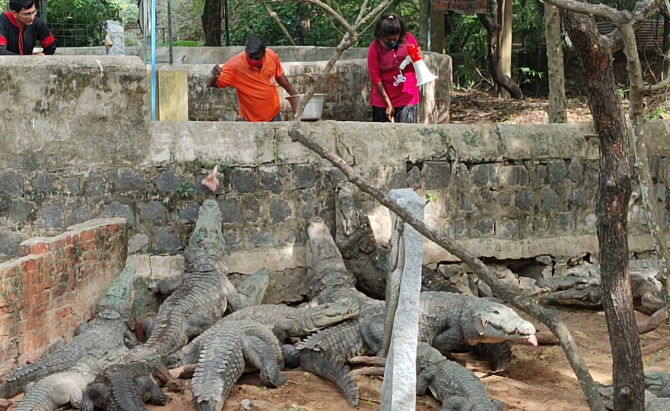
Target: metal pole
[(225, 12), (169, 7), (429, 26), (153, 60)]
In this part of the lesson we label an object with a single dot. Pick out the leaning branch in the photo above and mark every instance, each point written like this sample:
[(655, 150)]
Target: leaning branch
[(276, 18), (600, 10), (505, 291)]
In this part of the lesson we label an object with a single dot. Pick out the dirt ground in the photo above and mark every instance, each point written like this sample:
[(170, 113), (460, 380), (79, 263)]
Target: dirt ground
[(539, 378)]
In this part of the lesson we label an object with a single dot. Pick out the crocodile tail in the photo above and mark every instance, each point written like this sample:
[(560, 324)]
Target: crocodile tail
[(331, 368), (498, 355)]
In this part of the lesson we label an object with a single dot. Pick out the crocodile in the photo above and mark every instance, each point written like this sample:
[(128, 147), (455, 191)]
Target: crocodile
[(107, 331), (126, 387), (456, 387), (202, 297), (658, 383), (446, 320), (652, 402), (229, 349), (67, 387), (581, 286)]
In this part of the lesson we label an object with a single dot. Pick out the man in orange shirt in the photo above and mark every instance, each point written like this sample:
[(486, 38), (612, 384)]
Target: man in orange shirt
[(254, 73)]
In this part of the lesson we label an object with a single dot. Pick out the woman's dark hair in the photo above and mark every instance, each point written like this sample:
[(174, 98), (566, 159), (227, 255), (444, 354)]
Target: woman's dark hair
[(390, 24), (18, 5)]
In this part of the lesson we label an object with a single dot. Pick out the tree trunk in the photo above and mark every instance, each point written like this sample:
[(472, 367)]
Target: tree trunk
[(211, 22), (614, 190), (666, 46), (494, 59), (505, 17), (552, 21)]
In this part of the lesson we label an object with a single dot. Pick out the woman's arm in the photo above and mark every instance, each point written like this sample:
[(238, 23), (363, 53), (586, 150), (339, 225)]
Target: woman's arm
[(376, 79)]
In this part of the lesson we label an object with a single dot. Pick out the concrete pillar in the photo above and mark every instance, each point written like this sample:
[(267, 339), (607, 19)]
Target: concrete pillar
[(399, 386), (171, 94)]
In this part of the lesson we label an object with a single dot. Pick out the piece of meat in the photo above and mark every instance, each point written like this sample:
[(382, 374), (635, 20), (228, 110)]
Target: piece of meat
[(211, 181)]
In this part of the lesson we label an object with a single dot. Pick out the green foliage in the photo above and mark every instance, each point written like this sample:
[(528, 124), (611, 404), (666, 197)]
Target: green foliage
[(185, 189), (80, 23), (657, 114)]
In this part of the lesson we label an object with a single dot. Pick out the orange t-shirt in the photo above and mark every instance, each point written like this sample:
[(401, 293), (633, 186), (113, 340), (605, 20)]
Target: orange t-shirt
[(256, 89)]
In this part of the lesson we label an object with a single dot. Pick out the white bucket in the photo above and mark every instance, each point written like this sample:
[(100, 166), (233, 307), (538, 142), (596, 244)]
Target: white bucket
[(314, 108)]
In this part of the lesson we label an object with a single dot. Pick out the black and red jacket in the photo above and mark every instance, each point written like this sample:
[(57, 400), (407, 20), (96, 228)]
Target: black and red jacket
[(14, 40)]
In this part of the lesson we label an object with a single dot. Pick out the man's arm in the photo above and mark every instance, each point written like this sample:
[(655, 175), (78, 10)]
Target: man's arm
[(47, 41), (3, 42), (286, 85), (216, 72)]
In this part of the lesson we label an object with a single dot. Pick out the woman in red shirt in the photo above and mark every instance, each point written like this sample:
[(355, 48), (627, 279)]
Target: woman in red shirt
[(395, 94)]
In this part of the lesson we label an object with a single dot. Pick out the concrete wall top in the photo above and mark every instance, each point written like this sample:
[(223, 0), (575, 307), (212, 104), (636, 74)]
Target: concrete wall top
[(82, 111), (215, 55)]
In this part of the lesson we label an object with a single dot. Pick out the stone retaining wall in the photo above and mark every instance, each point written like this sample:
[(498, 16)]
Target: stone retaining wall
[(54, 285)]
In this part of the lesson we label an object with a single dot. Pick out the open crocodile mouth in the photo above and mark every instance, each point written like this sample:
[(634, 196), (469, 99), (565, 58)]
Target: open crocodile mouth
[(492, 333)]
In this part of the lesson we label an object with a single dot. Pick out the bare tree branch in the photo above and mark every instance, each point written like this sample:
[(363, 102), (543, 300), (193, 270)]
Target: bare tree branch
[(505, 291), (330, 11), (278, 20), (600, 10)]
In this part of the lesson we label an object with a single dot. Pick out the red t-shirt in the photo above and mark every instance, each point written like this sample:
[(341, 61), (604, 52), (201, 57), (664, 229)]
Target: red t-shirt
[(383, 65)]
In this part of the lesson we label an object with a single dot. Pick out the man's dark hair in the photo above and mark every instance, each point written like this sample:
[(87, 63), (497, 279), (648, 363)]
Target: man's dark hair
[(18, 5), (255, 44), (390, 24)]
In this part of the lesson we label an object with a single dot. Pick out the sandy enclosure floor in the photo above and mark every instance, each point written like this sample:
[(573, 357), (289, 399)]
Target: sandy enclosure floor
[(539, 378)]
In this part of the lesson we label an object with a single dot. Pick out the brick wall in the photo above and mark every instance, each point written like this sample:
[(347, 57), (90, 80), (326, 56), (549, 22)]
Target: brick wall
[(54, 286)]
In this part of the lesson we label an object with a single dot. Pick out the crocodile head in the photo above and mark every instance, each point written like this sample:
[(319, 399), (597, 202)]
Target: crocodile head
[(655, 381), (206, 246), (575, 287), (353, 231), (115, 303), (493, 322), (325, 315)]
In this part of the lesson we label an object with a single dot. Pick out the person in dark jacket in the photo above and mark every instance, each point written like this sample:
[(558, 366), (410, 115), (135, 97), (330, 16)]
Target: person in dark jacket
[(20, 29)]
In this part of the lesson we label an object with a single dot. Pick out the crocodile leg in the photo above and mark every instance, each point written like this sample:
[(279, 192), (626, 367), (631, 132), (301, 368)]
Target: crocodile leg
[(456, 404), (96, 395), (291, 356), (498, 355), (423, 380), (147, 385), (331, 368), (448, 340), (258, 356), (372, 332)]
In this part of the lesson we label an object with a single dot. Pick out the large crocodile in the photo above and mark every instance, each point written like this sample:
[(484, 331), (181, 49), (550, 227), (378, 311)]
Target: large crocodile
[(447, 320), (652, 402), (202, 297), (456, 387), (67, 387), (582, 286), (107, 331), (126, 387), (658, 383), (225, 353)]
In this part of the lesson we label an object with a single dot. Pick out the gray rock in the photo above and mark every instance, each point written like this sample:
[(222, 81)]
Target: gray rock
[(94, 186), (137, 243), (484, 289), (230, 238), (77, 213), (271, 179), (125, 180), (252, 211), (397, 179), (73, 185), (51, 216), (247, 404), (508, 228), (565, 221), (467, 205), (459, 228), (230, 210), (462, 176), (557, 171), (461, 282), (20, 210), (661, 193), (259, 237), (449, 270), (244, 180), (472, 282), (485, 227), (168, 182), (524, 200), (280, 210), (11, 183), (116, 209), (513, 176), (528, 287), (550, 199), (544, 259), (297, 236), (576, 197), (310, 207), (540, 224), (485, 174), (187, 213), (43, 183), (285, 286), (540, 173), (576, 170), (117, 38), (153, 211), (165, 241), (436, 175), (399, 387), (9, 243), (502, 199), (414, 178), (304, 176)]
